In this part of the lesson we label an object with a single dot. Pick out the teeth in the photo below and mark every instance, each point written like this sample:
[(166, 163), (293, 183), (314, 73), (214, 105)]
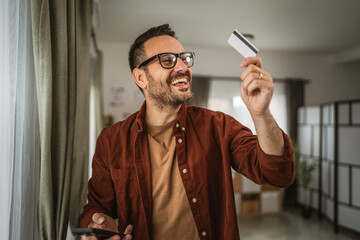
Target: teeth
[(176, 81)]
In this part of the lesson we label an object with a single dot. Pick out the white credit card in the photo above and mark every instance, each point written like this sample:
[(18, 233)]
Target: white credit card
[(242, 45)]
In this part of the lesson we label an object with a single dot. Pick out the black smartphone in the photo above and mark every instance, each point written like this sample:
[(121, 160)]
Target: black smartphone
[(100, 233)]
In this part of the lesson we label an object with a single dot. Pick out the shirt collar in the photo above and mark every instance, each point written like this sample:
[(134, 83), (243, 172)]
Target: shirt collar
[(182, 115), (140, 118)]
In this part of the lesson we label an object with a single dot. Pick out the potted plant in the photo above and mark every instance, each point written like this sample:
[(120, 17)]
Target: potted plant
[(304, 170), (303, 175)]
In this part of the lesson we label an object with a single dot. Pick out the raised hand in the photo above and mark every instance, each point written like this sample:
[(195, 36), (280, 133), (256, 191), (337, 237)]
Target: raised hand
[(257, 87)]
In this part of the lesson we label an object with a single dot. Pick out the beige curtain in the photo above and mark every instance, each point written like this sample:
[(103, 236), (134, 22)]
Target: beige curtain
[(80, 160), (60, 40)]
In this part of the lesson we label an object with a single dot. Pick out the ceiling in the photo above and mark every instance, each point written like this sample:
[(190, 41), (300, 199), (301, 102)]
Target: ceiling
[(322, 26)]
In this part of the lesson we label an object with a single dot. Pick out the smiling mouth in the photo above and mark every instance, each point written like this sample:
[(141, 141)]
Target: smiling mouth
[(180, 83)]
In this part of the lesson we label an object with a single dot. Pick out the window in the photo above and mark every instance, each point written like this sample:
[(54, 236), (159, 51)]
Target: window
[(225, 96)]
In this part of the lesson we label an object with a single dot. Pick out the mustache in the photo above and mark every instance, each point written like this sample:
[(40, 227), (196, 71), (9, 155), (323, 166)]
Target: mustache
[(179, 75)]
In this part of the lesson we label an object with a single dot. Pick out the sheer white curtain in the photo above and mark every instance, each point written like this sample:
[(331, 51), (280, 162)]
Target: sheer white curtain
[(224, 96), (18, 123)]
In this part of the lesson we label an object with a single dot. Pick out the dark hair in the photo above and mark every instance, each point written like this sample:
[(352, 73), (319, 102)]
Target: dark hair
[(137, 50)]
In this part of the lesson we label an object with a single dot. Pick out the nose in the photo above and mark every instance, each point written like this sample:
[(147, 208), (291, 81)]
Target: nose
[(180, 66)]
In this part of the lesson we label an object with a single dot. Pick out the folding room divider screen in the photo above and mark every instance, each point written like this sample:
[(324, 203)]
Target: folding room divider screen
[(329, 135)]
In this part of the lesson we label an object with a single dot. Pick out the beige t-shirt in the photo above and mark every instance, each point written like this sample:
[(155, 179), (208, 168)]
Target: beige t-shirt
[(171, 214)]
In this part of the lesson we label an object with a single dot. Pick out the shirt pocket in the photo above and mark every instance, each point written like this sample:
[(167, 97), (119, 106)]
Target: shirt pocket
[(124, 180)]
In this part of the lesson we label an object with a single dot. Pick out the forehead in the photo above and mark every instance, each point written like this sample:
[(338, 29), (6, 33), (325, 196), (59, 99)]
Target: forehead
[(162, 44)]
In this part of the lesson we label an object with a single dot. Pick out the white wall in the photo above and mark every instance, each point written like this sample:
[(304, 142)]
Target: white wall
[(328, 81), (116, 73)]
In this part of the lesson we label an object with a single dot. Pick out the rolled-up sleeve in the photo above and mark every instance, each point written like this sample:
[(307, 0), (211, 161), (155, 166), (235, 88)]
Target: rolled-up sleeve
[(248, 158)]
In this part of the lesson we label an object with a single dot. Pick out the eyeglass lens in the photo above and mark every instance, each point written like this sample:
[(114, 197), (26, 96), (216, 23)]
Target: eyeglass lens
[(169, 60)]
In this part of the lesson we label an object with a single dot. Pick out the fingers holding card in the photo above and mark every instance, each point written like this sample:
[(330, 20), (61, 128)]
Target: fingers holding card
[(257, 84), (242, 45)]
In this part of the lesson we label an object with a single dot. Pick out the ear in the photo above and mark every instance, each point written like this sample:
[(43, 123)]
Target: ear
[(140, 78)]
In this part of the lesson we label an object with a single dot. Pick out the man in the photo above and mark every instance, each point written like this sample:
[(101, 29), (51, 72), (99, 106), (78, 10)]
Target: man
[(165, 172)]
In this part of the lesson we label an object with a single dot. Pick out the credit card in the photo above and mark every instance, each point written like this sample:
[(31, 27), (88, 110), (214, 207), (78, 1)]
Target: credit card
[(242, 45)]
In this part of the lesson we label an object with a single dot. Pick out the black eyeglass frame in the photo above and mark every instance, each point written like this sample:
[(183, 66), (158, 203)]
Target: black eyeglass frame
[(178, 55)]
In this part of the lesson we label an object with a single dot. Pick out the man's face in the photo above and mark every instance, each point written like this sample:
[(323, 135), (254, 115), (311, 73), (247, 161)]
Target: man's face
[(164, 86)]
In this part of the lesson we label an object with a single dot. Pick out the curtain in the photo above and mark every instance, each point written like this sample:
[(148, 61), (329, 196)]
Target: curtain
[(224, 95), (200, 88), (294, 99), (80, 158), (60, 42), (19, 146)]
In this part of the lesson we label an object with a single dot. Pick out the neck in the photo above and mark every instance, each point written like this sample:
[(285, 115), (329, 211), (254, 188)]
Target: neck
[(159, 115)]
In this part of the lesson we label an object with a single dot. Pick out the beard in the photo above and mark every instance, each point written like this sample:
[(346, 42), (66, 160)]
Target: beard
[(164, 95)]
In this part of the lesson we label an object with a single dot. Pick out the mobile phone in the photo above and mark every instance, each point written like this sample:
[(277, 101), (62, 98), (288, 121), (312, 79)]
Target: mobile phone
[(100, 233)]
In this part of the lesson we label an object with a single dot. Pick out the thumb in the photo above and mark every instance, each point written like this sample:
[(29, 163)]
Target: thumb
[(128, 229), (98, 218)]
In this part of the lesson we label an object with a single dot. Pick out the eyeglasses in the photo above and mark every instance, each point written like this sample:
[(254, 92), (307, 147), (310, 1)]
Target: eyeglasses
[(168, 60)]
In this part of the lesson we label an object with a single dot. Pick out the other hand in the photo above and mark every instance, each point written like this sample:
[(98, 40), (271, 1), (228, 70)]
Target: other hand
[(105, 222)]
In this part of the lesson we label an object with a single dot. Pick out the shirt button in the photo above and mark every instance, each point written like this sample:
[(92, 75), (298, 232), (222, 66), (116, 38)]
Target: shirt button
[(183, 128), (203, 233), (184, 171), (180, 140), (177, 125), (194, 200)]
